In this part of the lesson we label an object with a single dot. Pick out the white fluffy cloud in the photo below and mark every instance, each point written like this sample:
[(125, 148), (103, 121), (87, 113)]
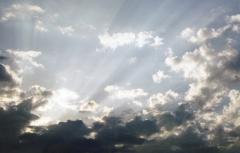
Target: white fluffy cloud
[(146, 38), (61, 105), (25, 60), (234, 21), (117, 92), (65, 104), (202, 34), (141, 39), (209, 72), (234, 18), (116, 40), (159, 76), (213, 75), (22, 11), (167, 101), (231, 112)]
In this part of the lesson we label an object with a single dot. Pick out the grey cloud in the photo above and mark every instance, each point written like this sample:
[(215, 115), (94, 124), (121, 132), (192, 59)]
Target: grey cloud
[(9, 84), (178, 117), (14, 119)]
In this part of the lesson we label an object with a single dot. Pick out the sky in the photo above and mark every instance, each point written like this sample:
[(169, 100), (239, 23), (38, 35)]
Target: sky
[(139, 76)]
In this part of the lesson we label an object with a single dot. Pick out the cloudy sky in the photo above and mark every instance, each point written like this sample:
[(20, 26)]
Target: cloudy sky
[(142, 76)]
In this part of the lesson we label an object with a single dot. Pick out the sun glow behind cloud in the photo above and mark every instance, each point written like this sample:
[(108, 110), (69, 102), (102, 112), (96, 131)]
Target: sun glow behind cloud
[(55, 111)]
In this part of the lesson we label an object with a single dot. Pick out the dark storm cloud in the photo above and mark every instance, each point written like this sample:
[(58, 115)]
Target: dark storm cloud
[(9, 82), (170, 120), (13, 120), (111, 136), (3, 58), (187, 142), (70, 136), (4, 75), (115, 132)]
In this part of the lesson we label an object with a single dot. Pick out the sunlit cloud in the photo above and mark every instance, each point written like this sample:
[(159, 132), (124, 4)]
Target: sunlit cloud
[(201, 35), (25, 60), (117, 92), (164, 101), (141, 39), (61, 105), (234, 18)]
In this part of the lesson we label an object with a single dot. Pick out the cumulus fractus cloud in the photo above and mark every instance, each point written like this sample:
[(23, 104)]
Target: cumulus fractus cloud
[(141, 76)]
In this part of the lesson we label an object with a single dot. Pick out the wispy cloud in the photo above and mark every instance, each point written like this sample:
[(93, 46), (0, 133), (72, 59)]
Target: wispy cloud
[(66, 30), (22, 11)]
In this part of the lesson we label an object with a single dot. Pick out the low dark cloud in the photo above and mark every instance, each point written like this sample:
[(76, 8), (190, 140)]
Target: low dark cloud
[(113, 135), (3, 58), (182, 114), (4, 75), (13, 120), (189, 141)]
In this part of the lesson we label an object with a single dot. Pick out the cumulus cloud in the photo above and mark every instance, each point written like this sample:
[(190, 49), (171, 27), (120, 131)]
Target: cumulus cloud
[(62, 99), (25, 60), (141, 39), (116, 40), (231, 111), (9, 84), (157, 41), (210, 72), (234, 18), (16, 63), (38, 95), (91, 111), (22, 11), (201, 35), (234, 22), (89, 106), (16, 105), (117, 92), (159, 76), (167, 101), (212, 75), (72, 107)]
